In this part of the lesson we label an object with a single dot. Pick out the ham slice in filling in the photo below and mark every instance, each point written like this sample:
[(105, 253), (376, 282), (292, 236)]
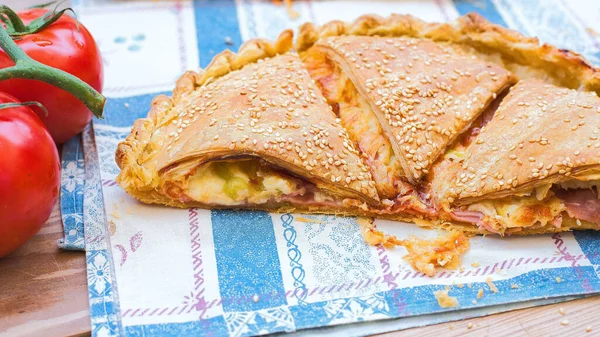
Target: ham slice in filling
[(582, 204)]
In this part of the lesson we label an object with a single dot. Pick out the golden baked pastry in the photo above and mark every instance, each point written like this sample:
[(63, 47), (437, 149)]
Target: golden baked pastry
[(382, 117), (535, 166), (251, 131)]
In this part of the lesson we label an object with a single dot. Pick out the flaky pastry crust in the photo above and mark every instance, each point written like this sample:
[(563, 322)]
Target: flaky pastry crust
[(140, 180), (267, 109), (544, 145), (142, 157), (424, 94), (563, 67)]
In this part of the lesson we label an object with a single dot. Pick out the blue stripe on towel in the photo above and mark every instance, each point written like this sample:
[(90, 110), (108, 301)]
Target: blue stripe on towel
[(589, 241), (216, 23), (122, 112), (247, 260), (71, 195), (486, 8)]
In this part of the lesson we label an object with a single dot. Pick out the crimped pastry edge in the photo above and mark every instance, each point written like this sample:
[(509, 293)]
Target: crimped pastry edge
[(472, 30), (574, 71), (138, 180)]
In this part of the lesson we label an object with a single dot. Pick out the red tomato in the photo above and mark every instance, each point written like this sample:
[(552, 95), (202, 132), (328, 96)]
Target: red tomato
[(29, 175), (68, 47)]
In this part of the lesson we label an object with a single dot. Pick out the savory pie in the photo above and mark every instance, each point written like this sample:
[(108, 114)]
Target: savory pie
[(253, 130), (463, 124), (535, 166)]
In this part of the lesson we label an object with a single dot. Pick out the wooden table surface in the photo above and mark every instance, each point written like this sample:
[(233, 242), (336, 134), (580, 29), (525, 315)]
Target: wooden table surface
[(43, 291)]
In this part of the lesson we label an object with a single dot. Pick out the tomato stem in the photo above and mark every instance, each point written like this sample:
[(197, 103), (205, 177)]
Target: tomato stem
[(14, 21), (13, 105), (26, 67), (16, 27)]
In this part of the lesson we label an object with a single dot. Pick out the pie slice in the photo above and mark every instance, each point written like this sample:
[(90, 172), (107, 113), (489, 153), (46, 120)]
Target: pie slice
[(535, 167), (254, 131), (423, 94)]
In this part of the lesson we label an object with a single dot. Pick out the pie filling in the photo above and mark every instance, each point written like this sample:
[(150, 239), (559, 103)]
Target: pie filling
[(252, 182), (360, 122), (545, 206)]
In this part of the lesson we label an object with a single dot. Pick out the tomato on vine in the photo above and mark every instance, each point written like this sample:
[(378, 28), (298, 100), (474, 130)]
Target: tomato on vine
[(29, 173), (59, 41), (29, 165)]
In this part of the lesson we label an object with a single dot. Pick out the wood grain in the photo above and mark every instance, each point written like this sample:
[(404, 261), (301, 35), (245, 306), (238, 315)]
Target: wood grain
[(44, 290), (538, 321)]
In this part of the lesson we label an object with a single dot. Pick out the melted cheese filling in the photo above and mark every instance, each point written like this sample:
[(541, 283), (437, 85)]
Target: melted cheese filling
[(238, 183), (535, 208), (360, 122), (581, 184), (363, 127), (247, 182), (519, 212)]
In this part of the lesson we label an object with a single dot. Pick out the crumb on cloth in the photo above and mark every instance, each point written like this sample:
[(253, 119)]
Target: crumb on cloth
[(491, 284), (424, 255), (444, 251), (288, 6), (445, 300), (115, 212), (308, 220), (373, 236), (112, 227)]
